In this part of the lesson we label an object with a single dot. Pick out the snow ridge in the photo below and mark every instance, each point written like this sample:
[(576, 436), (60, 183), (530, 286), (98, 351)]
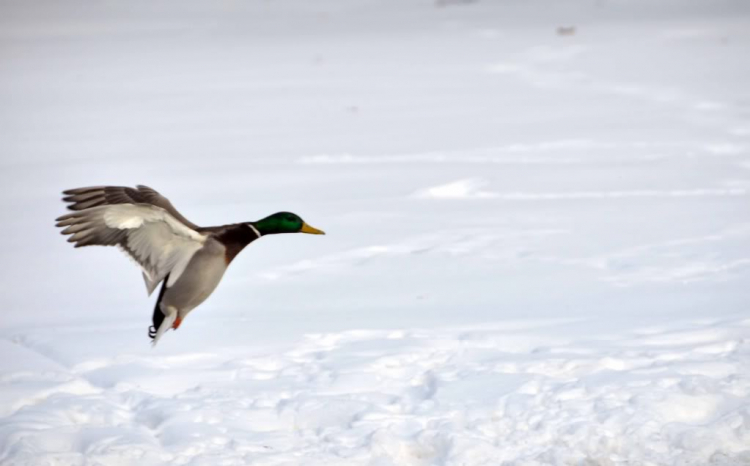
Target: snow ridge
[(522, 392)]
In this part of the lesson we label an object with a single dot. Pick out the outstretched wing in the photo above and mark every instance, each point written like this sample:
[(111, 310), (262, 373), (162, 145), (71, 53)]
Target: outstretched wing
[(85, 198), (158, 241)]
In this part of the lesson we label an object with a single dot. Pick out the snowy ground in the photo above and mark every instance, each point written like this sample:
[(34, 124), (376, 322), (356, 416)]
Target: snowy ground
[(538, 245)]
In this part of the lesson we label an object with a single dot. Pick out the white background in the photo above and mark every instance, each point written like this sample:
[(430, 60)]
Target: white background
[(537, 249)]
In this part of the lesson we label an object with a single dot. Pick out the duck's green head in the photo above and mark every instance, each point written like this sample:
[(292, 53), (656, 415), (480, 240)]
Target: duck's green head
[(284, 222)]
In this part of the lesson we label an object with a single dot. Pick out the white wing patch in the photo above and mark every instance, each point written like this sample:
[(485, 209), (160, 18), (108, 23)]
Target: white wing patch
[(157, 241), (150, 284)]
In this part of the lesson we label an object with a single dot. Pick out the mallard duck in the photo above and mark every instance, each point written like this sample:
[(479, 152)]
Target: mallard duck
[(189, 261)]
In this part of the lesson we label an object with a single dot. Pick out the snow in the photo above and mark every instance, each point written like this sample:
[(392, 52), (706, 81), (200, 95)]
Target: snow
[(537, 249), (533, 392)]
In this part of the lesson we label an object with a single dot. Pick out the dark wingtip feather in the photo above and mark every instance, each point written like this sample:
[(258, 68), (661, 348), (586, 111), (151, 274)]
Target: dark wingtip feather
[(71, 192), (74, 191), (67, 219)]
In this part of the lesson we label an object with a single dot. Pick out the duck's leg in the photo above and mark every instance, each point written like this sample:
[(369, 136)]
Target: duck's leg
[(158, 315), (170, 316)]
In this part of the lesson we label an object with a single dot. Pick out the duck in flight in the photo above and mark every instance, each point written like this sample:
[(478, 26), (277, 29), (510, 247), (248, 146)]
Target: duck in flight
[(189, 261)]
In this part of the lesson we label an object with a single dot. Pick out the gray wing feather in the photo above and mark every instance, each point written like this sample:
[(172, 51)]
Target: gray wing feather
[(94, 196), (149, 234)]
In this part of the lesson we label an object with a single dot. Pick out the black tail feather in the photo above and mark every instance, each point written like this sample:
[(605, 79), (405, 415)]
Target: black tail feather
[(158, 316)]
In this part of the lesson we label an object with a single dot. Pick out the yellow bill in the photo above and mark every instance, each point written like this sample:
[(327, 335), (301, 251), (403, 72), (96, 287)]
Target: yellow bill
[(311, 230)]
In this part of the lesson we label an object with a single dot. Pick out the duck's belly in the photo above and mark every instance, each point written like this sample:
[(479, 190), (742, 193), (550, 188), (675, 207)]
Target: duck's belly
[(198, 281)]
